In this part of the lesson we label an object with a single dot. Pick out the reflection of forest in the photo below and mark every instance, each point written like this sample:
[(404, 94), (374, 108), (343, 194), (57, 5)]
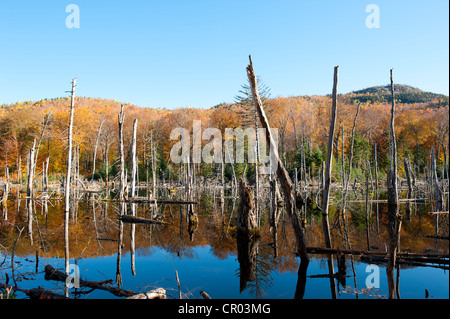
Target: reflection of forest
[(94, 224)]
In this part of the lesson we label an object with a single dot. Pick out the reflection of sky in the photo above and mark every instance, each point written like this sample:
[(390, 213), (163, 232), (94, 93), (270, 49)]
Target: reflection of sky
[(219, 277)]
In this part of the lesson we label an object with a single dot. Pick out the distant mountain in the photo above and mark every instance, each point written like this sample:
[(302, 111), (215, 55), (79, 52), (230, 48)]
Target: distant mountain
[(403, 93)]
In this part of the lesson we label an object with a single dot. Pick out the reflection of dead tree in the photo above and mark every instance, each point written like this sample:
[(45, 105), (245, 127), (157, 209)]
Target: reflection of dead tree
[(394, 216)]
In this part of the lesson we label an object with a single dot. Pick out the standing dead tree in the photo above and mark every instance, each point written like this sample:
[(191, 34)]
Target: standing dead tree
[(285, 180), (327, 181), (122, 182), (67, 181), (96, 145), (437, 190), (394, 216)]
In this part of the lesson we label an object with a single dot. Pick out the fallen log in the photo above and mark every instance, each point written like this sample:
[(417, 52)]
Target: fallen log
[(35, 293), (158, 293), (403, 261), (139, 220), (320, 250), (336, 275), (53, 274), (204, 294)]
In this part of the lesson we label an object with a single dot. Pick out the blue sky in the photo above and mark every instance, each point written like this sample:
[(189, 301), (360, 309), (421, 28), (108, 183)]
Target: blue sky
[(183, 53)]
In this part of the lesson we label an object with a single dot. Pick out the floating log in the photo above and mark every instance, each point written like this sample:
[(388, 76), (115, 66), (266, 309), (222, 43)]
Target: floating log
[(35, 293), (320, 250), (158, 293), (336, 275), (204, 294), (403, 261), (138, 220), (53, 274)]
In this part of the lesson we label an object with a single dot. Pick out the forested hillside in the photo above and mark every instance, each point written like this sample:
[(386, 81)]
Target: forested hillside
[(302, 122)]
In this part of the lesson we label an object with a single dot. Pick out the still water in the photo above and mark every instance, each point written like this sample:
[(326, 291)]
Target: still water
[(206, 255)]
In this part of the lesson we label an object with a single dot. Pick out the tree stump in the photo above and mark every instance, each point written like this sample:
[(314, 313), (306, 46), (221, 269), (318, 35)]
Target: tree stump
[(247, 223)]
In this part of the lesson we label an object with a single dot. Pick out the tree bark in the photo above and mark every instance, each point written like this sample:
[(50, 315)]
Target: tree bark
[(247, 223), (327, 184), (394, 217), (96, 145), (122, 182), (437, 190), (285, 180), (67, 181)]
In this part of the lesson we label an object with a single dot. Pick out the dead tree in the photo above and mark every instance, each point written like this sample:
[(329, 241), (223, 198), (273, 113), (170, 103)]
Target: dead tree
[(437, 190), (327, 182), (122, 182), (133, 160), (96, 145), (67, 181), (283, 175), (30, 170), (394, 216), (247, 224)]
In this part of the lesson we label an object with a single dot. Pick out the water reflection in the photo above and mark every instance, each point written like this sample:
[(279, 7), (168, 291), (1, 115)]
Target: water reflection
[(210, 241)]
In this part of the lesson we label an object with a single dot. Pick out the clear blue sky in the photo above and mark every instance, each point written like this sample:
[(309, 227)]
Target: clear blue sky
[(193, 53)]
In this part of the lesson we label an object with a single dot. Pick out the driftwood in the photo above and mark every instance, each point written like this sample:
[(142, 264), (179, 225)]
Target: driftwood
[(320, 250), (403, 261), (35, 293), (53, 274), (158, 293), (204, 295)]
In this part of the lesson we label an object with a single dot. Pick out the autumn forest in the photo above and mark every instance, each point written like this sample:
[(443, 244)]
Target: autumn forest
[(302, 122)]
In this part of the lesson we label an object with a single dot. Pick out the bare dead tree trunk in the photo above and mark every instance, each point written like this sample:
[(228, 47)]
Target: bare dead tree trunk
[(19, 172), (285, 180), (95, 147), (153, 152), (408, 176), (327, 184), (343, 158), (393, 212), (437, 190), (30, 170), (133, 160), (122, 182), (247, 224), (67, 181), (351, 150)]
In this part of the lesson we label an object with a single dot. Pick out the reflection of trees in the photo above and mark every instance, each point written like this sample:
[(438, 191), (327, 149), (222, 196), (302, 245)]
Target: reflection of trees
[(255, 266)]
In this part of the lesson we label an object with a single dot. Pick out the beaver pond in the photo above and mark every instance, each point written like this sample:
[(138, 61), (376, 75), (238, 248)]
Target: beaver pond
[(186, 257)]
